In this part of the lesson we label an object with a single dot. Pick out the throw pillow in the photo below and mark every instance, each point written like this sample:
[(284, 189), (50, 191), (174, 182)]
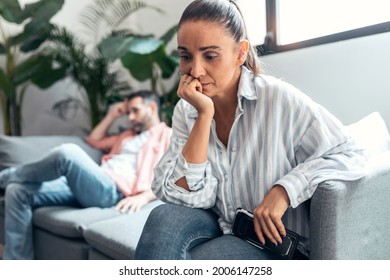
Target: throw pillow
[(371, 133)]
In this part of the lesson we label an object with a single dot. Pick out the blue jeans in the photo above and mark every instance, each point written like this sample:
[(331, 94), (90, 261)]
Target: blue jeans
[(66, 176), (175, 232)]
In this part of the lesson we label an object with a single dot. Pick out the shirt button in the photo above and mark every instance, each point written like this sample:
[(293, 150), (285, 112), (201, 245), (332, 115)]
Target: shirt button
[(234, 149), (185, 171), (226, 177), (300, 199)]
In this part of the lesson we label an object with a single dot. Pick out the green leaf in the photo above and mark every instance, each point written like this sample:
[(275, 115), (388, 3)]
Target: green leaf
[(6, 84), (138, 65), (41, 13), (25, 70), (144, 46), (40, 70), (48, 77), (11, 11), (166, 63), (170, 33), (33, 42), (114, 47)]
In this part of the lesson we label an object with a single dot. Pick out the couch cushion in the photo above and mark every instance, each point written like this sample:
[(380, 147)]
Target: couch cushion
[(48, 246), (16, 150), (70, 222), (118, 237), (371, 133)]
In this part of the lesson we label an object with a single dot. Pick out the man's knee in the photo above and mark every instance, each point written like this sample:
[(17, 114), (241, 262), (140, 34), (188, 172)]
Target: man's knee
[(67, 151)]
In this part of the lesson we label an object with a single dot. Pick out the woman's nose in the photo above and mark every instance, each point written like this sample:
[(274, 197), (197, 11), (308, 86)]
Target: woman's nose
[(197, 69)]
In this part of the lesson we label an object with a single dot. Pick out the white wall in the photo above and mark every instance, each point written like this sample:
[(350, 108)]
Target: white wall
[(38, 118), (350, 78)]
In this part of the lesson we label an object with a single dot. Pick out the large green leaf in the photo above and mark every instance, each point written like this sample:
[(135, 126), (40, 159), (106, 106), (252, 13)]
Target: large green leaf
[(40, 70), (41, 13), (115, 47), (32, 41), (26, 69), (47, 77), (11, 11), (6, 84), (144, 46), (167, 64), (169, 34), (140, 66)]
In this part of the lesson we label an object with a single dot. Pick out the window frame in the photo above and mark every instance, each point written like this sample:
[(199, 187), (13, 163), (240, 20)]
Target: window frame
[(270, 45)]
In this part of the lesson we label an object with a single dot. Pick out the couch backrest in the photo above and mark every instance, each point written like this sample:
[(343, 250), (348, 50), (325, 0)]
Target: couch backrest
[(16, 150)]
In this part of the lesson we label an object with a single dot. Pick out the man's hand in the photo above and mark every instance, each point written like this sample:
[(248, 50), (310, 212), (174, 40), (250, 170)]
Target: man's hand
[(118, 110), (268, 215), (134, 203)]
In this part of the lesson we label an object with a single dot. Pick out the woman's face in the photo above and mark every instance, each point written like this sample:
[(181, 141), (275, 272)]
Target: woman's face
[(209, 54)]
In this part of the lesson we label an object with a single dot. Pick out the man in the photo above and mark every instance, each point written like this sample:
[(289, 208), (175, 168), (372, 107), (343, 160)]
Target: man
[(68, 176)]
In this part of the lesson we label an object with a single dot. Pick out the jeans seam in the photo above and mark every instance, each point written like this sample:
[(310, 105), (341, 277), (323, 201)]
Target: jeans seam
[(190, 240)]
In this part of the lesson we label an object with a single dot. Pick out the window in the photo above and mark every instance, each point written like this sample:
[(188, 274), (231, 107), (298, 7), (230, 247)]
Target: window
[(294, 24), (254, 12)]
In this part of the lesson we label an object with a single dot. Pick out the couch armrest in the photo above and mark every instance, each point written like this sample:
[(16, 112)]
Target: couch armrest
[(350, 220)]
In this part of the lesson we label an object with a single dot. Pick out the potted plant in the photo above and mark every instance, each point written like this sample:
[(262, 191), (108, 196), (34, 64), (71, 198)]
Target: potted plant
[(146, 58), (84, 62), (34, 19)]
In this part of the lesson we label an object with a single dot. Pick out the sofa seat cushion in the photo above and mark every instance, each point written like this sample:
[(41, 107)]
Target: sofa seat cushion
[(70, 222), (118, 237)]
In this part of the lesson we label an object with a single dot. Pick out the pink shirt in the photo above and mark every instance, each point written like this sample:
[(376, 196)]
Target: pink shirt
[(148, 157)]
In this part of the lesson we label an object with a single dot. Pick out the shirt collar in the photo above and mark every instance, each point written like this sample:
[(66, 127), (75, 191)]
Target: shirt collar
[(246, 86)]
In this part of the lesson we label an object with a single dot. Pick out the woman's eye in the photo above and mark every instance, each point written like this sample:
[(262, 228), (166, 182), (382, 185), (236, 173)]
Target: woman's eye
[(184, 57), (211, 57)]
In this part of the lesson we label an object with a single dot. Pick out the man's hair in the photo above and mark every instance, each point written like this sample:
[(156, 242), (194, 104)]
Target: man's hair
[(146, 95)]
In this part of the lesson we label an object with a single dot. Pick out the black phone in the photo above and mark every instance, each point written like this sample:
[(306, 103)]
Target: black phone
[(243, 228)]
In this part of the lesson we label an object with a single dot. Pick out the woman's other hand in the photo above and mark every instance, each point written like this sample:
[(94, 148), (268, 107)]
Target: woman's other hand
[(268, 215)]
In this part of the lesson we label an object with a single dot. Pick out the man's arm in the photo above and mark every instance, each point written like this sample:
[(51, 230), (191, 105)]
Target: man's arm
[(98, 137), (100, 131)]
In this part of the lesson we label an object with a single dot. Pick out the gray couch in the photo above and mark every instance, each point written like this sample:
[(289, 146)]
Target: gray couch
[(349, 220), (70, 233)]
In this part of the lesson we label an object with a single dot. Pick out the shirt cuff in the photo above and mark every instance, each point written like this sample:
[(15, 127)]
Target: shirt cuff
[(294, 184), (194, 173)]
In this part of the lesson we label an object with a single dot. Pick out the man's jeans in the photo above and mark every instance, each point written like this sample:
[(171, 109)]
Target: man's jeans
[(66, 176), (175, 232)]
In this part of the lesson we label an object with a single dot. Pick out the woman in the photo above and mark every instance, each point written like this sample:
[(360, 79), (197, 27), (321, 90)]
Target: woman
[(240, 139)]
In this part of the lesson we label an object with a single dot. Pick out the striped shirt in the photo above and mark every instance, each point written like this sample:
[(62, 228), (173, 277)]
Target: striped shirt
[(279, 136)]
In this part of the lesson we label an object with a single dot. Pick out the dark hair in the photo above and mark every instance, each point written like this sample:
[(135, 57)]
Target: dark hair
[(228, 14), (146, 95)]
